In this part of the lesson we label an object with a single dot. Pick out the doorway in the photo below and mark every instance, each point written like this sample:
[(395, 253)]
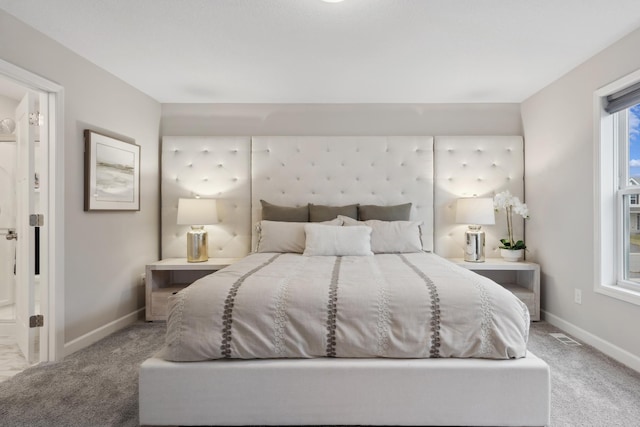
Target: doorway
[(33, 308), (21, 165)]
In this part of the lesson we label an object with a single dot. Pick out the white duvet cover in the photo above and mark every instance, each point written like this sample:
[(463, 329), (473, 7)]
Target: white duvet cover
[(415, 305)]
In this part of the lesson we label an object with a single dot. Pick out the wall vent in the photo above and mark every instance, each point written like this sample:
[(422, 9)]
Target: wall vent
[(565, 339)]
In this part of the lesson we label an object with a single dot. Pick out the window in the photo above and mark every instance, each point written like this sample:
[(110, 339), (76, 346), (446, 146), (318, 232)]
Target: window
[(629, 189), (618, 189)]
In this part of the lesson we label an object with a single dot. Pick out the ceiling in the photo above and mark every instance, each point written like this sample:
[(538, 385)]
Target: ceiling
[(357, 51)]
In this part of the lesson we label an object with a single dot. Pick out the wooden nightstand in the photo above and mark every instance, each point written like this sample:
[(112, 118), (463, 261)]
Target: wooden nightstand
[(168, 276), (521, 277)]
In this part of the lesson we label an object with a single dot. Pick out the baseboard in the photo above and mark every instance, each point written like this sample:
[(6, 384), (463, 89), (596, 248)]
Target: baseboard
[(611, 350), (97, 334), (7, 329)]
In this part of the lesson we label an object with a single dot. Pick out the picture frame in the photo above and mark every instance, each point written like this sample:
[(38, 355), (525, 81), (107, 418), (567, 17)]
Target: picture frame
[(112, 173)]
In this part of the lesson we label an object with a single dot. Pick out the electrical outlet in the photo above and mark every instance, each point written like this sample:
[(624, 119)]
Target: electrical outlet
[(577, 296), (142, 279)]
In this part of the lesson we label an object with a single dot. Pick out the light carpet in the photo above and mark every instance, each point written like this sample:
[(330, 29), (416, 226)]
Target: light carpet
[(98, 386), (587, 387)]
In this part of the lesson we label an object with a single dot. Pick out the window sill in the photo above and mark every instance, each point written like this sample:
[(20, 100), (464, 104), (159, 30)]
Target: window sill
[(619, 292)]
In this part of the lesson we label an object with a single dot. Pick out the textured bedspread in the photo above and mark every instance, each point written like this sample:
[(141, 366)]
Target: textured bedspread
[(394, 305)]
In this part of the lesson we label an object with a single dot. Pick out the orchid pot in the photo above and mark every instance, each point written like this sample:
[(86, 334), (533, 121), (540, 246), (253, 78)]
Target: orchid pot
[(511, 255)]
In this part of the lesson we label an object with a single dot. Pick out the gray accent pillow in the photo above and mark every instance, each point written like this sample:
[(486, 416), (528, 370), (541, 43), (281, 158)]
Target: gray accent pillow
[(385, 213), (319, 213), (271, 212)]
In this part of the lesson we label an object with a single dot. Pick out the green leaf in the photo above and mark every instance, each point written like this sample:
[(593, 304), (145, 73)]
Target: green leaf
[(520, 245), (506, 244)]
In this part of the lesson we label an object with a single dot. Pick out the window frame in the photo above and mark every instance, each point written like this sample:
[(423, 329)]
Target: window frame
[(610, 187)]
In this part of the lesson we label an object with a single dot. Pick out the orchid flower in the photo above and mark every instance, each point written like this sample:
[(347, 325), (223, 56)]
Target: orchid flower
[(510, 203)]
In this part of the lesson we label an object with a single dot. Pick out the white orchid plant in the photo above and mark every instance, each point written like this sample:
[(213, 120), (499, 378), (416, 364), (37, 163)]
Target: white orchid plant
[(511, 204)]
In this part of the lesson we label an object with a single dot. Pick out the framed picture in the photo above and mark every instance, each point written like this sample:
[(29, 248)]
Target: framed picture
[(111, 173)]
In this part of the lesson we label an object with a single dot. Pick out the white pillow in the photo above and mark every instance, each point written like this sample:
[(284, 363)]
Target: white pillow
[(277, 236), (391, 236), (337, 241)]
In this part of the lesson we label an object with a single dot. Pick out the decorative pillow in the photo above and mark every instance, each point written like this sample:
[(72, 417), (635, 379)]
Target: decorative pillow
[(385, 213), (271, 212), (318, 213), (330, 240), (279, 236), (389, 237)]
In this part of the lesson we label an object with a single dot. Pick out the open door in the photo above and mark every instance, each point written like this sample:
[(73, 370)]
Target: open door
[(26, 123), (7, 229)]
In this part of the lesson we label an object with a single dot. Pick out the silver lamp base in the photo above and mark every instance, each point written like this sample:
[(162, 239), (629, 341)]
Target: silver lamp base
[(197, 244), (474, 248)]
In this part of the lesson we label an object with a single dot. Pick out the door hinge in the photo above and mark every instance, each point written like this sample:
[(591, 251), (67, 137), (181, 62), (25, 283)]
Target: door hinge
[(36, 119), (36, 321), (36, 220)]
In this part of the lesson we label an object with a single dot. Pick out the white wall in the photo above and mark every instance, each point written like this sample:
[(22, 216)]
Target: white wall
[(559, 164), (105, 253), (340, 119)]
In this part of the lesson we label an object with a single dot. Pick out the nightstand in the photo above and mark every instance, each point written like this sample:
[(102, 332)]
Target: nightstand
[(522, 278), (168, 276)]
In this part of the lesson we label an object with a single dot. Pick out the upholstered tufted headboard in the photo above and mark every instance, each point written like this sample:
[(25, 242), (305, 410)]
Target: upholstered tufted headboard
[(480, 166), (211, 167), (432, 173), (337, 171)]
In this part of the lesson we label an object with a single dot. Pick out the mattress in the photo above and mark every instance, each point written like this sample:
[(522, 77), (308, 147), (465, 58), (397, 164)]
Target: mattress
[(414, 305)]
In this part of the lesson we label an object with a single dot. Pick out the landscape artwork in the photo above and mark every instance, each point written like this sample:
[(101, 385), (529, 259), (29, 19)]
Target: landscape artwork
[(112, 173), (115, 170)]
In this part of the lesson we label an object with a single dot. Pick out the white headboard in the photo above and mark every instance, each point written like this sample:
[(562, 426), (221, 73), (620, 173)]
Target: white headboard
[(332, 170), (432, 173), (216, 167), (475, 165)]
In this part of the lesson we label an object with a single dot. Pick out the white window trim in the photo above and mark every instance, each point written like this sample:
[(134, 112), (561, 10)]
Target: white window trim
[(606, 216)]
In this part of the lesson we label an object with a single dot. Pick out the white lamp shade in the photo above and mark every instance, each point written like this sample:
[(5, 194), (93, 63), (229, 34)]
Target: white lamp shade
[(197, 212), (475, 210)]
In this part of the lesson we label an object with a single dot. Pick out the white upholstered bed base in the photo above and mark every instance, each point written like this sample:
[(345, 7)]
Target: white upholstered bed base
[(346, 392)]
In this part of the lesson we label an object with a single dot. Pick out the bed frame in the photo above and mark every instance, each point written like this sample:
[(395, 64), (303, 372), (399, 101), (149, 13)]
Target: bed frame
[(338, 171), (346, 392)]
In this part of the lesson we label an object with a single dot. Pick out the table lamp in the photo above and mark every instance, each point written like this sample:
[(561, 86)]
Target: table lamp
[(197, 213), (475, 211)]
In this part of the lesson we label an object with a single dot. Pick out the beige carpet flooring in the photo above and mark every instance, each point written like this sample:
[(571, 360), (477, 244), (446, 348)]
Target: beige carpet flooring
[(98, 386)]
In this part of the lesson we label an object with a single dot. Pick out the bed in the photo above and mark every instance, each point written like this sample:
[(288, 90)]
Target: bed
[(352, 374)]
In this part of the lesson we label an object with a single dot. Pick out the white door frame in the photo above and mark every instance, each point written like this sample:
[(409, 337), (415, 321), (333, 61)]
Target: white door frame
[(52, 344)]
